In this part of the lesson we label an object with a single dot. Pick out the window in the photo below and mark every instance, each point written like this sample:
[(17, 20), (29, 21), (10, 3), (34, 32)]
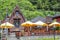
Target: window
[(16, 22), (17, 13)]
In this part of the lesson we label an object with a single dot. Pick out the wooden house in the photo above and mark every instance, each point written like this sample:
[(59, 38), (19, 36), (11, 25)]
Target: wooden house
[(57, 17), (16, 19)]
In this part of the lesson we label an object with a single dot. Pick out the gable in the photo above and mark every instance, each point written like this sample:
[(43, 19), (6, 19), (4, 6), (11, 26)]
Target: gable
[(16, 14)]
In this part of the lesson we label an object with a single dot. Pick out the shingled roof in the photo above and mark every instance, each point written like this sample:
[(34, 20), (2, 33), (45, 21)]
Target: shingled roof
[(56, 15), (38, 18)]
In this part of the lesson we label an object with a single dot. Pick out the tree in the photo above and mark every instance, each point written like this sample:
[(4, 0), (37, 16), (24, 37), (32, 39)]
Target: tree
[(30, 8)]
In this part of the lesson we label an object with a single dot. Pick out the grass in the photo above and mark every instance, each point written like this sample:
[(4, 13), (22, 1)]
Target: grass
[(47, 39), (41, 38)]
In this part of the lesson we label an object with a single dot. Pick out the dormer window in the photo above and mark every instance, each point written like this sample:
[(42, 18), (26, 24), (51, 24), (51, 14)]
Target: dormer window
[(17, 13)]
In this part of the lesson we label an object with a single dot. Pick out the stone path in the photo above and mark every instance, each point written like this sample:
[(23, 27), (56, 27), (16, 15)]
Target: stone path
[(12, 37)]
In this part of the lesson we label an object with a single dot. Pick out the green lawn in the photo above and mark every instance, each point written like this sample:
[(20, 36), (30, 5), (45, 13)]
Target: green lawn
[(41, 38), (47, 39)]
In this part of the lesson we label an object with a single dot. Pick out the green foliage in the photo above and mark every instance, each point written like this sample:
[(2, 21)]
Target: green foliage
[(29, 8)]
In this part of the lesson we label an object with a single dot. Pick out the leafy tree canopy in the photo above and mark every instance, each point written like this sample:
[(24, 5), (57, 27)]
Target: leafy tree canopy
[(30, 8)]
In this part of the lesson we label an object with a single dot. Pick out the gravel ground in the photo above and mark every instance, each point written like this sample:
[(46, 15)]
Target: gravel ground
[(12, 37)]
